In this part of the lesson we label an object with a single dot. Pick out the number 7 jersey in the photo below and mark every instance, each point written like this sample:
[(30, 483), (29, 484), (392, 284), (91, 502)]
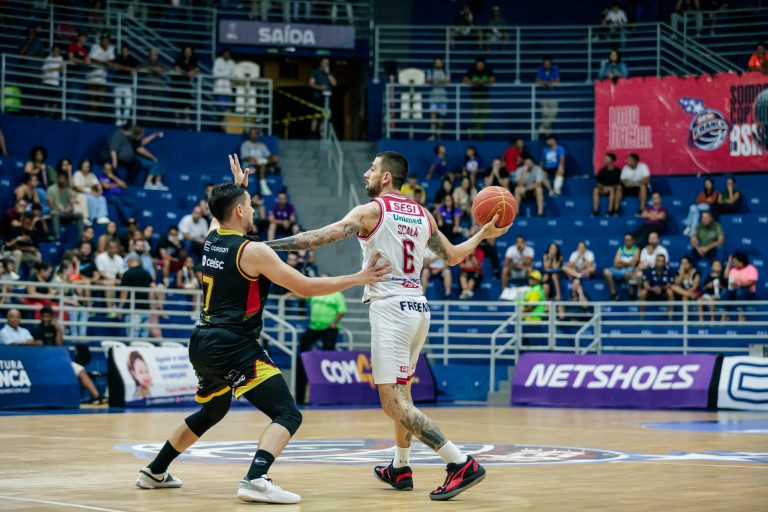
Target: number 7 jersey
[(400, 236)]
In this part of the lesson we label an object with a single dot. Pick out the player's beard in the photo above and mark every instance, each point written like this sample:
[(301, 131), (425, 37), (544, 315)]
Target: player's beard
[(373, 190)]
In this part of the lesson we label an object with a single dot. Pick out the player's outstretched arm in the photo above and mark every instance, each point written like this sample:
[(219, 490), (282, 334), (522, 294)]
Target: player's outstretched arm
[(359, 221), (258, 259), (455, 254)]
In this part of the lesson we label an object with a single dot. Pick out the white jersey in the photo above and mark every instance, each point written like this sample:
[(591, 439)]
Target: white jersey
[(401, 237)]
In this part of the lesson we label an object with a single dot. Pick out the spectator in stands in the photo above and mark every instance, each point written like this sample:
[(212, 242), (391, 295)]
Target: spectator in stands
[(33, 45), (8, 276), (187, 69), (136, 277), (742, 281), (37, 166), (49, 333), (649, 253), (101, 57), (128, 236), (12, 216), (625, 261), (496, 33), (40, 223), (705, 201), (260, 218), (518, 262), (22, 241), (657, 283), (434, 266), (12, 333), (708, 238), (474, 165), (438, 78), (581, 264), (464, 23), (121, 153), (446, 189), (607, 182), (690, 9), (3, 148), (635, 178), (530, 183), (282, 218), (77, 51), (613, 68), (149, 162), (547, 77), (418, 196), (110, 266), (514, 157), (125, 66), (194, 229), (67, 273), (471, 273), (186, 278), (87, 269), (616, 20), (728, 199), (534, 312), (141, 251), (439, 164), (170, 254), (463, 195), (61, 200), (687, 282), (106, 237), (40, 293), (152, 82), (448, 217), (480, 78), (65, 167), (498, 175), (224, 71), (88, 187), (51, 82), (552, 265), (713, 287), (411, 186), (654, 219), (255, 153), (113, 189), (322, 83), (553, 162), (27, 190), (759, 60), (306, 261), (89, 237)]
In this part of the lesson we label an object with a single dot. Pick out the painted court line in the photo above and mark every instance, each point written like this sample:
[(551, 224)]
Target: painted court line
[(61, 504)]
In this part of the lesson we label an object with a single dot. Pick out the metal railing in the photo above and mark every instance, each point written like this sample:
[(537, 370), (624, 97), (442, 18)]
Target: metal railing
[(503, 109), (578, 50), (89, 92), (335, 157), (732, 33)]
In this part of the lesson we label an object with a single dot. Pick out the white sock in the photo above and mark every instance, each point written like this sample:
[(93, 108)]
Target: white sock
[(451, 455), (402, 457), (558, 184)]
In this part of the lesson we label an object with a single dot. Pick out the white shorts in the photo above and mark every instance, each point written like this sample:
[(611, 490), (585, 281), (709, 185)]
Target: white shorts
[(399, 328)]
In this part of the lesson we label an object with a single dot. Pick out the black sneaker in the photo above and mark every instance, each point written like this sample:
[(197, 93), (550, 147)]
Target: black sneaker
[(460, 478), (399, 478)]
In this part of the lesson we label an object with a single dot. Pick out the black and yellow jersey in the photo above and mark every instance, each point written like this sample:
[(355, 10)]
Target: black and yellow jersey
[(232, 299)]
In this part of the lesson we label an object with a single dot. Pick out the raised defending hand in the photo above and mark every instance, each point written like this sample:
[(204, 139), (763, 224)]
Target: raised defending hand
[(376, 269), (241, 177), (489, 230)]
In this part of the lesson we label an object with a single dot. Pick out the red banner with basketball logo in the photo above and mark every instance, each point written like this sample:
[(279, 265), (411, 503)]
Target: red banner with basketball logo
[(706, 124)]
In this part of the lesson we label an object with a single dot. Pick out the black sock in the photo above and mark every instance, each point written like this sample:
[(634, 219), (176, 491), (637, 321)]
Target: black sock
[(262, 461), (163, 459)]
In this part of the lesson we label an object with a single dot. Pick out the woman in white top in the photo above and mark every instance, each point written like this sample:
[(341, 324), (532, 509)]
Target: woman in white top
[(463, 195), (581, 264), (87, 187)]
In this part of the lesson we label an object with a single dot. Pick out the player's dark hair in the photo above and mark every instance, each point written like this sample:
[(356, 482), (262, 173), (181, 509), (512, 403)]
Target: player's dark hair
[(612, 156), (223, 199), (395, 164)]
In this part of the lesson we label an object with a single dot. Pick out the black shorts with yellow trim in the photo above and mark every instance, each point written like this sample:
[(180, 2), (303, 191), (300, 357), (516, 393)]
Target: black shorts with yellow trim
[(225, 361)]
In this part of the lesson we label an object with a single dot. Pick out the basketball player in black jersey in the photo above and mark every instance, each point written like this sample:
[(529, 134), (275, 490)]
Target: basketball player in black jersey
[(224, 348)]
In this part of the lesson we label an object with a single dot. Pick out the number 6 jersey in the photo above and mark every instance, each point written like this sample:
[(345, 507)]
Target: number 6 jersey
[(401, 237)]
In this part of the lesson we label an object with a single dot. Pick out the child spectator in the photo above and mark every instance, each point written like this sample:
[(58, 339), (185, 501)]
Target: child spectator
[(607, 182), (705, 201)]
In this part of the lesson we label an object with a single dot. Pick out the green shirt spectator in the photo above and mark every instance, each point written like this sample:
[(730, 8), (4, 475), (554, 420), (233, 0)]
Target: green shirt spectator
[(326, 311), (535, 313), (707, 237)]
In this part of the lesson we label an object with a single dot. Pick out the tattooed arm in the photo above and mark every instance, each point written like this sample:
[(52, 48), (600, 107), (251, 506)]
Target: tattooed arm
[(455, 254), (358, 222)]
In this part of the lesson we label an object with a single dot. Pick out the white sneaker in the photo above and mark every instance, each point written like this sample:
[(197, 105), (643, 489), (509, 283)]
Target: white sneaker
[(88, 222), (263, 490), (265, 191), (149, 480), (103, 220)]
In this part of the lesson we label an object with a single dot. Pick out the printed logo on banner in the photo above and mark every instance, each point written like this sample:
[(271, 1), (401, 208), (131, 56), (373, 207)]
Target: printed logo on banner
[(708, 129), (748, 382), (13, 377), (348, 372)]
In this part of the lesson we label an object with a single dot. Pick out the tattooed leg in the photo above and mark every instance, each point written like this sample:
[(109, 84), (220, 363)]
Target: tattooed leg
[(395, 402), (403, 436)]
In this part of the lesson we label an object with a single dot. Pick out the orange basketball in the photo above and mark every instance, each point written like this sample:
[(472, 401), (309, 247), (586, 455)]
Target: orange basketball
[(492, 200)]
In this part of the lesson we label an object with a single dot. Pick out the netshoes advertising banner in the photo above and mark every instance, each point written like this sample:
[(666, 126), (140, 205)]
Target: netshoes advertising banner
[(337, 377), (141, 377), (32, 376), (743, 384), (633, 381), (706, 124)]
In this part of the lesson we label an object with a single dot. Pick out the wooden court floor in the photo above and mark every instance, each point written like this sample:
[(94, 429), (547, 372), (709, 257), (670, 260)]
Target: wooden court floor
[(604, 460)]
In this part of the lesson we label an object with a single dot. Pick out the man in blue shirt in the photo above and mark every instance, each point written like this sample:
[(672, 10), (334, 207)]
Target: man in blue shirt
[(547, 77), (553, 161)]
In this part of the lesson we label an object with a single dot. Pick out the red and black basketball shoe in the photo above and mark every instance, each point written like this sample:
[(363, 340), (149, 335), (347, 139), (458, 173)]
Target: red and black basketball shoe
[(400, 479), (460, 478)]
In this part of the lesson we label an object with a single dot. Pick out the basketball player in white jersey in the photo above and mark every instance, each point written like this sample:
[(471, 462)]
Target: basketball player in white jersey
[(400, 230)]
